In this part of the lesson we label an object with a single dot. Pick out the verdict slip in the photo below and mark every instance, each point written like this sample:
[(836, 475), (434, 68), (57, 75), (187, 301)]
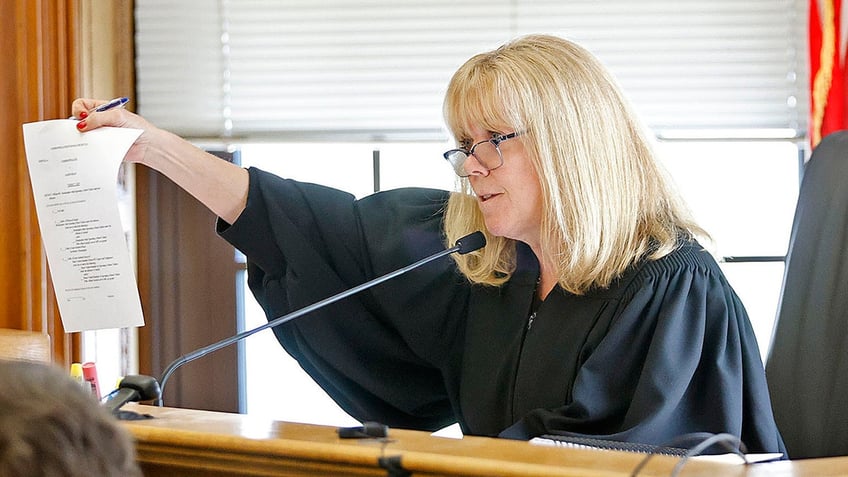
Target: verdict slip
[(74, 180)]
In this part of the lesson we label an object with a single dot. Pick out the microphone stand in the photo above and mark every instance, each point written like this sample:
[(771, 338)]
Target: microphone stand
[(466, 244)]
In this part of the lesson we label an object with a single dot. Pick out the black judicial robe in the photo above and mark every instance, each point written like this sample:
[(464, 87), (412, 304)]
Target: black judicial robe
[(666, 350)]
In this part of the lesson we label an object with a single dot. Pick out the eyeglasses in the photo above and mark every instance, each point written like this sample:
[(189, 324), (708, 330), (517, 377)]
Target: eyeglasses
[(487, 153)]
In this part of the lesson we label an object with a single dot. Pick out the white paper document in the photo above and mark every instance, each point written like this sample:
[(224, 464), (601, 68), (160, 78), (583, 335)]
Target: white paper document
[(74, 179)]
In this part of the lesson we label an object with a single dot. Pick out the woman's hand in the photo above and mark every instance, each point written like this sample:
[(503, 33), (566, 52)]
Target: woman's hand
[(83, 108)]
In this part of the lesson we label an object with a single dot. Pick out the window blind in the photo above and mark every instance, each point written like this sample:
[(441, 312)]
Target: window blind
[(377, 69)]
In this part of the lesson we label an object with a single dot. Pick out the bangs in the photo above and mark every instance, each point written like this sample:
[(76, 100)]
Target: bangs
[(476, 99)]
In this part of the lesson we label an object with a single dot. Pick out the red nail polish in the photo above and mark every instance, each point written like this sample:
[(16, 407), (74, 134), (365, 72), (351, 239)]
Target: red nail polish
[(81, 125), (83, 115)]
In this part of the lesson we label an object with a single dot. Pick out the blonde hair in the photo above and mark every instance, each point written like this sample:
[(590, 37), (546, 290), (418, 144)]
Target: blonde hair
[(607, 202)]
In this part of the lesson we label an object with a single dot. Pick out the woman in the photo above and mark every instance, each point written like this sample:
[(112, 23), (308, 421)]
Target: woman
[(592, 310)]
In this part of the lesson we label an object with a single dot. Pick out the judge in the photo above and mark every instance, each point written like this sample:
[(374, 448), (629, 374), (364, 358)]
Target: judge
[(592, 311)]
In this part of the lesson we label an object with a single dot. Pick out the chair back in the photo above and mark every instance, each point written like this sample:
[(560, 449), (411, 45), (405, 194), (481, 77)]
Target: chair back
[(24, 345), (807, 365)]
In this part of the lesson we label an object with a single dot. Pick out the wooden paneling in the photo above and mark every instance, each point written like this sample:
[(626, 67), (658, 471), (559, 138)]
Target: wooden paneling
[(187, 284), (55, 51), (38, 81)]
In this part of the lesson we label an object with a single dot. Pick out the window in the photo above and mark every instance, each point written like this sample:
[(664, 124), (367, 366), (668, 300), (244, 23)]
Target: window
[(743, 193)]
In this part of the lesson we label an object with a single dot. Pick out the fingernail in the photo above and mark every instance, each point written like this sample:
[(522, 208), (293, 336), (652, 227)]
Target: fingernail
[(81, 125), (83, 115)]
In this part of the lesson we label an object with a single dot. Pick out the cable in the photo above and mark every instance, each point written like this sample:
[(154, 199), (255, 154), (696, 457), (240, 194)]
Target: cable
[(725, 439), (704, 441), (109, 396)]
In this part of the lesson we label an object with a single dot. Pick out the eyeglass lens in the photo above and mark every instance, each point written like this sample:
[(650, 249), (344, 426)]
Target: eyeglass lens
[(486, 153)]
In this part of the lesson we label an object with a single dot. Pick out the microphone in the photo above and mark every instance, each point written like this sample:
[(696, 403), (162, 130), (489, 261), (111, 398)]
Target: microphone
[(464, 245), (369, 429), (135, 387)]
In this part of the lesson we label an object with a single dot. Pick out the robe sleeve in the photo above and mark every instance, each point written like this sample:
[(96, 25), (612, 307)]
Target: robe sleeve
[(679, 356), (379, 354)]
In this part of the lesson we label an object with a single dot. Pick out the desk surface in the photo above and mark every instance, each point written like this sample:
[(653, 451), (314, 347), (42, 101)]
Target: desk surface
[(190, 442)]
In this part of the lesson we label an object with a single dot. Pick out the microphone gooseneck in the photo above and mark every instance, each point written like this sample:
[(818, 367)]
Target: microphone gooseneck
[(466, 244)]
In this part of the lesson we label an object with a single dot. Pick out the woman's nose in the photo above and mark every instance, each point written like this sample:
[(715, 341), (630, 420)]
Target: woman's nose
[(473, 166)]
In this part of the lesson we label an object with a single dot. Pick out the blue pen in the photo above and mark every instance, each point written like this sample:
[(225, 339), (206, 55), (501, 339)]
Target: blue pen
[(115, 103)]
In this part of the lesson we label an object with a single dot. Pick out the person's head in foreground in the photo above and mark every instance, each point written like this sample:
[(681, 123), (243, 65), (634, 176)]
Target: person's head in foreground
[(50, 426)]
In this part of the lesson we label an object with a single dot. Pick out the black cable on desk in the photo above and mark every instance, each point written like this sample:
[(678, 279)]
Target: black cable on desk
[(705, 440)]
